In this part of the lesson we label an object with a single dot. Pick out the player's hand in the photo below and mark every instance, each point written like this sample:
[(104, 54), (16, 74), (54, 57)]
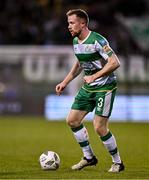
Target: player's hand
[(59, 88), (89, 79)]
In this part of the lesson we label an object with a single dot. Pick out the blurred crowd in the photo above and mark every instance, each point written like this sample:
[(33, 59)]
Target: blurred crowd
[(43, 22)]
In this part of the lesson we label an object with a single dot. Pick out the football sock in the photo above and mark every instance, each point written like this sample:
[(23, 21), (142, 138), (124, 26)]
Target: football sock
[(81, 135), (110, 144)]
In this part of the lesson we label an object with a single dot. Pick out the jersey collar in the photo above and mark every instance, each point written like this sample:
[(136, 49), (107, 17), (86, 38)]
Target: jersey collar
[(85, 38)]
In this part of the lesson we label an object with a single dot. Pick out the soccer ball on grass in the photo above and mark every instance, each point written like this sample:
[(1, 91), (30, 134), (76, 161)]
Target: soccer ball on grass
[(49, 160)]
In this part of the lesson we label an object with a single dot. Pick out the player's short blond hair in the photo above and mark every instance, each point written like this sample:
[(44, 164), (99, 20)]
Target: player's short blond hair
[(79, 13)]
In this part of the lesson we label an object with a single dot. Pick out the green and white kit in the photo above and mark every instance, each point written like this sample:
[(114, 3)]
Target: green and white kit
[(92, 54)]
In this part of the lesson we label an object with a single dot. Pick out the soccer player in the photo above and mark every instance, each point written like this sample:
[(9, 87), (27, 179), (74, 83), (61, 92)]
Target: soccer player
[(98, 60)]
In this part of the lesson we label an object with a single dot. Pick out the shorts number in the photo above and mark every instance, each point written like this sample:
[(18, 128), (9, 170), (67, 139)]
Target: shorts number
[(100, 102)]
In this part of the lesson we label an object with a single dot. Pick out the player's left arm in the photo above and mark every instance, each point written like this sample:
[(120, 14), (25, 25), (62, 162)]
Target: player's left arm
[(112, 64)]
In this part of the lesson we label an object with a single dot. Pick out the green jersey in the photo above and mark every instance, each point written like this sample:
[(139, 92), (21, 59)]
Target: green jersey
[(92, 54)]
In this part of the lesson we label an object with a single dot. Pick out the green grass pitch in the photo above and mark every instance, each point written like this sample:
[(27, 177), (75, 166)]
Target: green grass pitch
[(23, 139)]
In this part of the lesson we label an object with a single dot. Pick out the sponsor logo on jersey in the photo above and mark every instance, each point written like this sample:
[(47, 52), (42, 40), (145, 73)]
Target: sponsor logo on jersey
[(87, 66), (107, 49)]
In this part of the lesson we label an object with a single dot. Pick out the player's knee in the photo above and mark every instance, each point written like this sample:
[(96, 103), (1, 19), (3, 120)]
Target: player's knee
[(101, 132), (101, 125), (72, 122), (100, 129)]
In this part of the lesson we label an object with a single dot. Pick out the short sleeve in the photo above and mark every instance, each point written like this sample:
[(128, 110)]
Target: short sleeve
[(103, 47)]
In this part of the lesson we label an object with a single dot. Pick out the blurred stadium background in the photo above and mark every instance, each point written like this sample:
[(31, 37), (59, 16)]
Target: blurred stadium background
[(36, 54)]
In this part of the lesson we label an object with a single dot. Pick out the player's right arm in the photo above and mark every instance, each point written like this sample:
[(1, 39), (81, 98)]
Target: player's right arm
[(74, 72)]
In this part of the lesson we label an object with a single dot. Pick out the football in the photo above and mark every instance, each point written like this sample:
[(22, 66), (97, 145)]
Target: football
[(49, 160)]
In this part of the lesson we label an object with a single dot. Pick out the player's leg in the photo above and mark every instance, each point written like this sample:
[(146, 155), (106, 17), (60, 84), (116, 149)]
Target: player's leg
[(104, 104), (108, 139), (74, 120)]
